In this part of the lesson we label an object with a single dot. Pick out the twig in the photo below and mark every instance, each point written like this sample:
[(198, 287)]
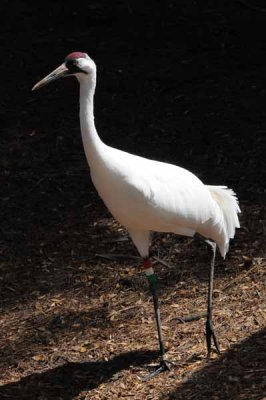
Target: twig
[(115, 257), (159, 260), (37, 183), (124, 309), (121, 239), (11, 289), (190, 318), (255, 370), (241, 277), (251, 6), (128, 308)]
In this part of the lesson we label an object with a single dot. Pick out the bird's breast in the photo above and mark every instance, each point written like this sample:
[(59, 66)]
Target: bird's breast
[(124, 201)]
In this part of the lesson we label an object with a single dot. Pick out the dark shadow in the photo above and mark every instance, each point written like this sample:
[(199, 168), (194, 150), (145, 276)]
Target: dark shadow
[(38, 330), (52, 269), (68, 380), (196, 106), (239, 374)]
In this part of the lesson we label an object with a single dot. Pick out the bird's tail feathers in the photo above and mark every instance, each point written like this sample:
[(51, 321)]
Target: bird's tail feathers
[(228, 203)]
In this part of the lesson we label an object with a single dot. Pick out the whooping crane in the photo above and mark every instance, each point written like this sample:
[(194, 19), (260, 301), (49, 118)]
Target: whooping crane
[(146, 195)]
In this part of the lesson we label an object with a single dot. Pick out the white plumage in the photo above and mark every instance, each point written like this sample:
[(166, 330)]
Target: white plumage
[(146, 195)]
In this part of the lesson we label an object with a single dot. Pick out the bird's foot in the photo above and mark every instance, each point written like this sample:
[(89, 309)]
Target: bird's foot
[(164, 366), (211, 335)]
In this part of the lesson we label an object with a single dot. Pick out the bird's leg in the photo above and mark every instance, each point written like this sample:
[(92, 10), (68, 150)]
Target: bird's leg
[(164, 365), (210, 333)]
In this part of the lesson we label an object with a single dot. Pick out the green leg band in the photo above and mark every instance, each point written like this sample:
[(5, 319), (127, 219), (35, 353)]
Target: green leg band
[(152, 279)]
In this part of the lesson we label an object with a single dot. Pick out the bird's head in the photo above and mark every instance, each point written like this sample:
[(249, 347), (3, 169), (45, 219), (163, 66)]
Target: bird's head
[(76, 64)]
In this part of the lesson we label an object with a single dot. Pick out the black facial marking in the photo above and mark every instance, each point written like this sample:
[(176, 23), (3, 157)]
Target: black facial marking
[(72, 66)]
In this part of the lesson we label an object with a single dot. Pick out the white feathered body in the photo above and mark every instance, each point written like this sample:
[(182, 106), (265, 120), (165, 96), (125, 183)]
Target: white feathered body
[(146, 195)]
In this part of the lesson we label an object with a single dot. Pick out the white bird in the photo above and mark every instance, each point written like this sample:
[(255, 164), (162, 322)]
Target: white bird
[(146, 195)]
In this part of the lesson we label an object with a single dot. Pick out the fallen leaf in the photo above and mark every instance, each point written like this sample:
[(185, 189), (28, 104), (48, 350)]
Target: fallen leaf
[(38, 357)]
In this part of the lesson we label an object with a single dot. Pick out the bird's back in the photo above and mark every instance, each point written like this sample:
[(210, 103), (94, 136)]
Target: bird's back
[(147, 195)]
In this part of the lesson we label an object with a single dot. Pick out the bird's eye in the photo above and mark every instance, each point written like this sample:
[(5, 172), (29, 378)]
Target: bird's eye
[(70, 64), (73, 67)]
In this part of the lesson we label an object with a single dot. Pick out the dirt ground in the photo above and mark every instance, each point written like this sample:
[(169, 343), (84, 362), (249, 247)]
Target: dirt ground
[(178, 81)]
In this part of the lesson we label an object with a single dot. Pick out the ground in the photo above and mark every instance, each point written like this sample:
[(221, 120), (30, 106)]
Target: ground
[(179, 82)]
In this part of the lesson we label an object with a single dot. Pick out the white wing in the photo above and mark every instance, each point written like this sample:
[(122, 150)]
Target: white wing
[(144, 194)]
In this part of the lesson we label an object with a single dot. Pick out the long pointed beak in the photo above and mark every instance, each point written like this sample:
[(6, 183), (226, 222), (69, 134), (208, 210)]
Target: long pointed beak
[(56, 74)]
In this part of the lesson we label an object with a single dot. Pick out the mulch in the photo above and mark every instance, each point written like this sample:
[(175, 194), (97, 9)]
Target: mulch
[(182, 85)]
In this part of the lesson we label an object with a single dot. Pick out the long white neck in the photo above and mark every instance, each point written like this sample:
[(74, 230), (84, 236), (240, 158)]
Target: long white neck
[(93, 145)]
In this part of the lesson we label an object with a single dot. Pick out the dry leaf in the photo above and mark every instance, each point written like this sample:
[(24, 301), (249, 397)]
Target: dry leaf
[(247, 259), (38, 357), (165, 328), (55, 300)]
